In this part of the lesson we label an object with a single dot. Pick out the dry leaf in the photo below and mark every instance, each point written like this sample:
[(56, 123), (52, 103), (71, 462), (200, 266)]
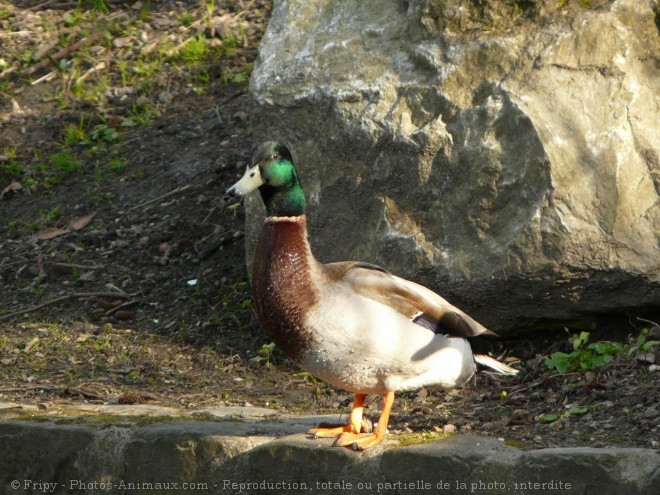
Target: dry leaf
[(185, 242), (87, 276), (135, 398), (30, 345), (105, 304), (125, 315), (81, 222), (115, 122), (14, 186), (49, 233)]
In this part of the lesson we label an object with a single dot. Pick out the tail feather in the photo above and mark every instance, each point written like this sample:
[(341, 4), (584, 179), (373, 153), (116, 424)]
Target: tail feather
[(494, 365)]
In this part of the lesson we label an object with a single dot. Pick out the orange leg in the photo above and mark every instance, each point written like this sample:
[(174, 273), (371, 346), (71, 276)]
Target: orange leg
[(361, 441), (353, 426)]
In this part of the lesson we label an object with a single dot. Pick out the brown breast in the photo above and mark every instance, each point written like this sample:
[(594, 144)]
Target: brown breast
[(284, 292)]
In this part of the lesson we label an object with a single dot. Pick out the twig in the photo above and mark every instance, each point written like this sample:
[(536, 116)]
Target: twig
[(127, 304), (210, 213), (45, 49), (6, 72), (47, 77), (177, 48), (96, 68), (40, 266), (84, 393), (163, 196), (65, 51), (120, 372), (70, 266), (45, 388), (15, 33), (512, 393), (648, 321), (42, 5), (61, 299), (193, 25)]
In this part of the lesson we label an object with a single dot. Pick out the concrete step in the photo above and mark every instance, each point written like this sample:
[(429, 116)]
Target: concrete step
[(243, 454)]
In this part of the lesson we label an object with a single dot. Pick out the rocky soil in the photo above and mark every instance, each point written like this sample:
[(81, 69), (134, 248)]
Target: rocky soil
[(122, 274)]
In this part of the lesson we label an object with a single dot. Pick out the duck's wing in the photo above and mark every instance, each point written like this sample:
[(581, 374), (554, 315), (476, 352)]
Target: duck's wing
[(421, 305)]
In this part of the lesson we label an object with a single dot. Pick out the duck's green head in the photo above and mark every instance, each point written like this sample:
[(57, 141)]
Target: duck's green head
[(271, 170)]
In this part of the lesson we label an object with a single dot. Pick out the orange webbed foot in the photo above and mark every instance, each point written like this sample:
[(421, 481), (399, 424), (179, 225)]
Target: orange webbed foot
[(358, 441), (353, 426), (330, 432), (362, 441), (350, 436)]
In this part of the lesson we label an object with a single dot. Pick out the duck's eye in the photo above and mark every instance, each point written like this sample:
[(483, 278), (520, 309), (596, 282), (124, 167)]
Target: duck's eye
[(276, 156)]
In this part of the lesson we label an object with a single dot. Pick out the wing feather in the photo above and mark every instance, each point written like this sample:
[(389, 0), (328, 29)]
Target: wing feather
[(414, 301)]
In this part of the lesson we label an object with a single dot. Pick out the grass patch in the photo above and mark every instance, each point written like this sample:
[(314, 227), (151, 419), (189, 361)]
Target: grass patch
[(10, 165), (195, 50), (419, 438), (66, 162)]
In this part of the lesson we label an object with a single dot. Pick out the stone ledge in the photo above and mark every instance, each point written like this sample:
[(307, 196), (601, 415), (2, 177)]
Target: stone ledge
[(233, 456)]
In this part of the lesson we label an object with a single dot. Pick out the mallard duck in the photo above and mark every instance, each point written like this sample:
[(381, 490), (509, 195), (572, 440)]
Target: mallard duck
[(352, 324)]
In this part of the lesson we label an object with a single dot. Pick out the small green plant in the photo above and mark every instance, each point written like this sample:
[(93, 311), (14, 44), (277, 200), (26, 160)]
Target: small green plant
[(37, 290), (50, 215), (233, 209), (578, 411), (74, 270), (264, 353), (195, 50), (548, 418), (99, 6), (5, 13), (144, 11), (24, 58), (75, 133), (584, 357), (202, 78), (104, 134), (232, 42), (642, 345), (210, 7), (9, 164), (144, 115), (66, 162), (201, 81), (100, 135), (573, 411), (100, 344), (74, 18), (186, 19), (72, 375), (116, 166)]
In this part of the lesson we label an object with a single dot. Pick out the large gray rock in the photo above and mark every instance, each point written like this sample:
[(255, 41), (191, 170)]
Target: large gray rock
[(503, 153), (232, 457)]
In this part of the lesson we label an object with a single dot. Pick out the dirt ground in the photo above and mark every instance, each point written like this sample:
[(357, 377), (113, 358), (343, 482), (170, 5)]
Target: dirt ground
[(122, 267)]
